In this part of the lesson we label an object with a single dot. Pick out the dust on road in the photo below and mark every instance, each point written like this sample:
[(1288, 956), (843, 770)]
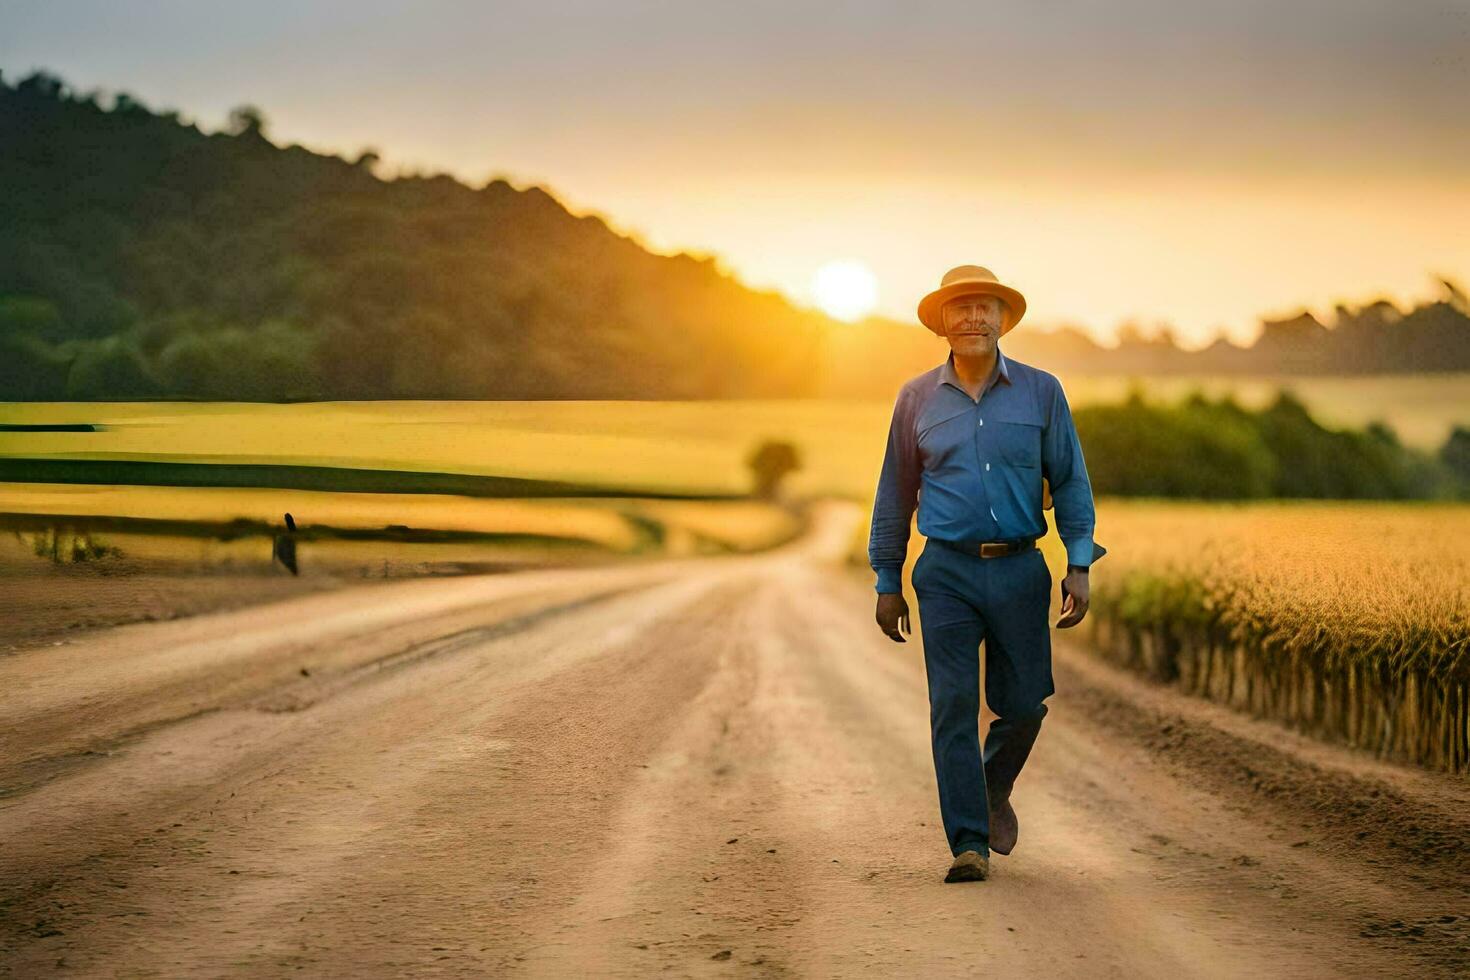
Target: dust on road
[(701, 768)]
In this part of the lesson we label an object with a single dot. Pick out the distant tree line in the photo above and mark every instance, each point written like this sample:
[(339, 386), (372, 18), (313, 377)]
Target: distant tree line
[(878, 355), (1219, 450), (1378, 338)]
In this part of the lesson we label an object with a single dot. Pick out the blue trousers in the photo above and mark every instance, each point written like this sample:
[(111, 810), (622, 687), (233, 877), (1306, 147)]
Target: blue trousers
[(1004, 603)]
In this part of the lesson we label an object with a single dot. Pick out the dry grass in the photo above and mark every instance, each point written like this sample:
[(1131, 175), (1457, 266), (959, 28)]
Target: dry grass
[(1347, 620), (1380, 583)]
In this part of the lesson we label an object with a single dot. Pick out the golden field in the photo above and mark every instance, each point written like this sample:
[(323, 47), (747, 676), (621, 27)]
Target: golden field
[(1349, 620)]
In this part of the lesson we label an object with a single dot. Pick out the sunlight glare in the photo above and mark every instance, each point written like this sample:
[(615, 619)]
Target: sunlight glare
[(845, 289)]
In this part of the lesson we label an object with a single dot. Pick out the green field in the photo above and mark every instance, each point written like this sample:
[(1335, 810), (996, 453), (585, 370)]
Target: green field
[(694, 447), (686, 446)]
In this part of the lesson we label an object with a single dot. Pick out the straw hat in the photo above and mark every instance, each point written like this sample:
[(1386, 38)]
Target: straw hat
[(965, 280)]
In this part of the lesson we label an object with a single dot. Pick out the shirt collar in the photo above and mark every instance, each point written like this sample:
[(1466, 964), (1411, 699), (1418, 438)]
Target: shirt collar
[(947, 372)]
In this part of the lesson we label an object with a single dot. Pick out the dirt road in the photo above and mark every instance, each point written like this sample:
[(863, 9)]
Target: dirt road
[(710, 767)]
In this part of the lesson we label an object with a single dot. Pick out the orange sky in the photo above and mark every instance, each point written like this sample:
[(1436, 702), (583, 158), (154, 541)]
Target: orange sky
[(1205, 255), (1200, 164)]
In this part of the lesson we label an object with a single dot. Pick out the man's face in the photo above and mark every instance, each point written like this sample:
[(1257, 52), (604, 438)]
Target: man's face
[(972, 324)]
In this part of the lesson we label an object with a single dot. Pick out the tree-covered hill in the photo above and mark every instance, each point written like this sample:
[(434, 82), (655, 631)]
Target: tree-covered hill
[(141, 257)]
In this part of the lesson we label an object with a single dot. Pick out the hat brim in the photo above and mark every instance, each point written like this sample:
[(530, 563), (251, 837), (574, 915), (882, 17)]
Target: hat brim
[(930, 305)]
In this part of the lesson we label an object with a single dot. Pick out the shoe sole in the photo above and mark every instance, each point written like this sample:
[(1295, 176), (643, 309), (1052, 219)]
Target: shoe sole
[(967, 872), (964, 874)]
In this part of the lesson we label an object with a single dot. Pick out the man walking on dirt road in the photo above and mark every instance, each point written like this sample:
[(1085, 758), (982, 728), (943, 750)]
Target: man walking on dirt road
[(970, 444)]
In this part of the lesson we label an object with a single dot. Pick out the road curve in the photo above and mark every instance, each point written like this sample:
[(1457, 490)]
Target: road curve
[(702, 768)]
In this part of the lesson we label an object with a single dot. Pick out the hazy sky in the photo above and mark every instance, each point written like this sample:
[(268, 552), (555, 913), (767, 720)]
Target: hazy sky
[(1199, 163)]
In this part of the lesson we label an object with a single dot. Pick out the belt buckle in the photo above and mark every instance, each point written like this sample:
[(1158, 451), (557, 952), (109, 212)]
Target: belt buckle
[(992, 549)]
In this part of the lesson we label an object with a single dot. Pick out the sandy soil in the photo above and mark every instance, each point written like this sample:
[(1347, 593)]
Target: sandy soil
[(42, 602), (707, 767)]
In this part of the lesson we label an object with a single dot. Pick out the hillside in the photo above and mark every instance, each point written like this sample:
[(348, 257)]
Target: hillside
[(141, 257)]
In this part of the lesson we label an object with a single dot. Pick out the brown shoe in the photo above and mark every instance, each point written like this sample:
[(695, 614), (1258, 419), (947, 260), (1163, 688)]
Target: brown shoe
[(1003, 825), (969, 866)]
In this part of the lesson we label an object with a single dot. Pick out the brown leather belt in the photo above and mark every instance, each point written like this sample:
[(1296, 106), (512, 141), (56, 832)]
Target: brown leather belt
[(988, 549)]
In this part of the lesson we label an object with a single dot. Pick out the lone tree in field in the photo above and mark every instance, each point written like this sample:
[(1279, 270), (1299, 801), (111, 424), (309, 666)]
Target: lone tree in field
[(769, 463)]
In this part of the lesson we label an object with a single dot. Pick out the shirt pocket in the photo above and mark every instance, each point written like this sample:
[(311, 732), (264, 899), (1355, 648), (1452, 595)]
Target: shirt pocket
[(1017, 441)]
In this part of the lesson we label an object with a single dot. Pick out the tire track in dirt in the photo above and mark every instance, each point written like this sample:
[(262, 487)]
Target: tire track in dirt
[(78, 700), (695, 878), (427, 810)]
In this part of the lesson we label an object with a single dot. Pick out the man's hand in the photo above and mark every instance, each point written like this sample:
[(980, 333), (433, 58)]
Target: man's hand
[(1074, 598), (893, 612)]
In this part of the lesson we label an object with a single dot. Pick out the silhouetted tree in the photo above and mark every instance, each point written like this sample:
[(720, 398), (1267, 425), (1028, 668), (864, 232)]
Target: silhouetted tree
[(247, 120), (367, 160), (42, 84), (124, 104), (770, 463)]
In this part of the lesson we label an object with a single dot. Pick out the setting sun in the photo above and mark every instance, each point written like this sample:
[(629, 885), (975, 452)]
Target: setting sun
[(845, 289)]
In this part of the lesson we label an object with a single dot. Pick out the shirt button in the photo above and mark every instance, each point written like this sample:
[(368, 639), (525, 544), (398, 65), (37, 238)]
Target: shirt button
[(982, 421), (987, 466)]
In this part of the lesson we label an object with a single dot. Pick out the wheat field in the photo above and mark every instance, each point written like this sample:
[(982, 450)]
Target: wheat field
[(1347, 620)]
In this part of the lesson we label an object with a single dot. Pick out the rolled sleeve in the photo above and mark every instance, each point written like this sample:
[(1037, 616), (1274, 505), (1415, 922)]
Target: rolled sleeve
[(895, 500), (1071, 491)]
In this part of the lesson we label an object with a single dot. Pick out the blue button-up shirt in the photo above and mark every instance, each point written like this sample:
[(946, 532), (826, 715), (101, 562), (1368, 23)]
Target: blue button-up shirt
[(974, 466)]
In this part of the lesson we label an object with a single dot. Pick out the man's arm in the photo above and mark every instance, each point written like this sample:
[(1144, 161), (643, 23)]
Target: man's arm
[(897, 496), (1071, 492)]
